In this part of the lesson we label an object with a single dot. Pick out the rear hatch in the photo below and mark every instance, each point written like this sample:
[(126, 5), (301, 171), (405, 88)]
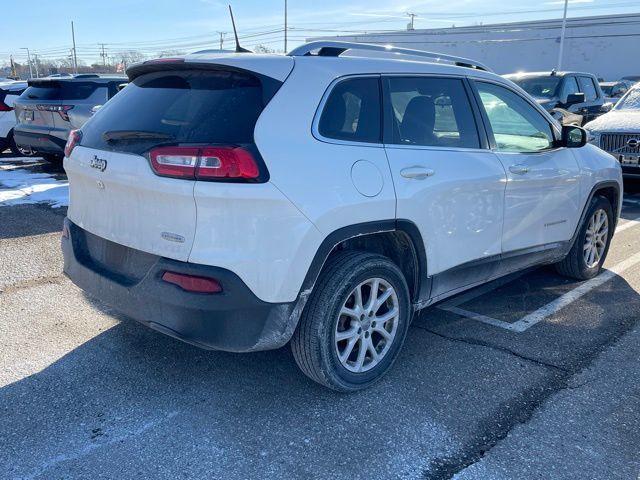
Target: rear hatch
[(35, 107), (121, 187)]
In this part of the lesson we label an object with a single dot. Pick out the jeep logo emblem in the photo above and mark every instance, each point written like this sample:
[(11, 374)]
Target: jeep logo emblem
[(633, 143), (99, 163)]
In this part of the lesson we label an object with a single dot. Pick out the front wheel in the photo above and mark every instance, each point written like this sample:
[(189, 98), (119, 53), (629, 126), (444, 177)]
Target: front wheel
[(590, 249), (355, 322)]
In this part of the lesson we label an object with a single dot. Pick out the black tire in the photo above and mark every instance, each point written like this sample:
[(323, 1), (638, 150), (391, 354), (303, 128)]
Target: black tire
[(313, 341), (574, 264), (52, 158)]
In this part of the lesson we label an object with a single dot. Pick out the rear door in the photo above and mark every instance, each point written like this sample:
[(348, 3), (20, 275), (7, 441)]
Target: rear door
[(542, 196), (446, 180), (114, 192)]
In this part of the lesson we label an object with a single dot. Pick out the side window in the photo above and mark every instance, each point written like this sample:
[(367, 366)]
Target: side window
[(431, 112), (516, 125), (588, 88), (570, 87), (352, 111)]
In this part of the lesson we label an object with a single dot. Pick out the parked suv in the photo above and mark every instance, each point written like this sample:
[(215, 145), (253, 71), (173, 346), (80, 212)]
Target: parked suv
[(240, 201), (9, 92), (577, 92), (51, 107)]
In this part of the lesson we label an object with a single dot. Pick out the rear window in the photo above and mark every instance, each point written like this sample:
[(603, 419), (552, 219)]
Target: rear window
[(178, 107), (54, 90)]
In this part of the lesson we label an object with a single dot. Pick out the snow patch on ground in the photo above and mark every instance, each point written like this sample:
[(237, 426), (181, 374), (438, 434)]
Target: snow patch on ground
[(20, 186)]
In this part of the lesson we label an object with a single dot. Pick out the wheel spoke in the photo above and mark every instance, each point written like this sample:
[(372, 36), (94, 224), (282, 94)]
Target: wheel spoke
[(362, 351), (382, 298), (374, 354), (346, 334), (349, 312), (357, 294), (385, 317), (373, 295), (348, 349), (383, 332)]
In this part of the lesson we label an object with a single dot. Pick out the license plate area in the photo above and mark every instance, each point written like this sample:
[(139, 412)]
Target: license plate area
[(27, 115)]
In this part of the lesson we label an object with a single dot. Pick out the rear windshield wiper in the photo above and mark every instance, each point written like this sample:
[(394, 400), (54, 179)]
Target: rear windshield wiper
[(135, 135)]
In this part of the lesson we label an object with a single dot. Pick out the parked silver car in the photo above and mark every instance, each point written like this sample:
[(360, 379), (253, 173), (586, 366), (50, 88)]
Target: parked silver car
[(51, 107), (618, 132)]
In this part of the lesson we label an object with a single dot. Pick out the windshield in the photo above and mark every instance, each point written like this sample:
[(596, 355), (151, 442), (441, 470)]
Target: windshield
[(542, 87), (631, 101)]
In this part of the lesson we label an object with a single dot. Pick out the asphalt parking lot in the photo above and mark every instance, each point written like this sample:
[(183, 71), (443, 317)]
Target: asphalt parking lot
[(535, 376)]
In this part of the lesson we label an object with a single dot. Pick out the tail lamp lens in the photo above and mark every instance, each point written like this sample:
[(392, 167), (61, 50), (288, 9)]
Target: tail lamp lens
[(4, 107), (192, 283), (74, 138), (204, 163)]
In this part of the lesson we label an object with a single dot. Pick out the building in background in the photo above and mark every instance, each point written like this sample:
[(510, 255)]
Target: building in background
[(604, 45)]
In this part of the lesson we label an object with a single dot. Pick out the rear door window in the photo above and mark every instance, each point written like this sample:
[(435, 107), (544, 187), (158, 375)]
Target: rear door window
[(352, 111), (178, 107), (431, 112), (570, 87), (588, 88)]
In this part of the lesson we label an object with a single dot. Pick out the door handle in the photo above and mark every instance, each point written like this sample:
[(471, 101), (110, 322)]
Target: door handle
[(518, 169), (417, 172)]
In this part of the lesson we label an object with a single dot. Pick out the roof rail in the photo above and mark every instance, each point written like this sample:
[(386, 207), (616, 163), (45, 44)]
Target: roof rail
[(335, 49)]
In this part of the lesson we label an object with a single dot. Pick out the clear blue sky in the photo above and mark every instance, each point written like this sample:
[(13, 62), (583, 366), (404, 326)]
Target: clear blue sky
[(151, 26)]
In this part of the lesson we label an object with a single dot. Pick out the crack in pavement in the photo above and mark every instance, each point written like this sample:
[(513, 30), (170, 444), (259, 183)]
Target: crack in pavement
[(480, 343), (35, 282), (513, 412)]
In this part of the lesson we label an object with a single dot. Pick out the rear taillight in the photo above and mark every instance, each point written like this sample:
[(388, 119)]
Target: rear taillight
[(74, 138), (61, 109), (192, 283), (204, 163), (4, 107)]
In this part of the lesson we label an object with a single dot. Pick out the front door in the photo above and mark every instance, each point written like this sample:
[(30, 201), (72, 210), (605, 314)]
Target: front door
[(446, 180), (543, 188)]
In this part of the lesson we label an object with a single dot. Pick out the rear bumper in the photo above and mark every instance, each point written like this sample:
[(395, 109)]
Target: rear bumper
[(234, 320), (42, 142)]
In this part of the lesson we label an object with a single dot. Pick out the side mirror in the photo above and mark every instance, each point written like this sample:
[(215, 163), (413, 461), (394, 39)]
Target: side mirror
[(573, 137), (574, 98)]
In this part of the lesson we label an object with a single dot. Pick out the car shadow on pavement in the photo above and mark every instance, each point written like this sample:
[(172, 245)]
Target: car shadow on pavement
[(31, 219), (133, 400)]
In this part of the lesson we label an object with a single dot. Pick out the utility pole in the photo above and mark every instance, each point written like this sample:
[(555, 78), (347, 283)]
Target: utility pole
[(28, 61), (103, 55), (222, 34), (36, 62), (285, 26), (410, 25), (75, 57), (562, 33)]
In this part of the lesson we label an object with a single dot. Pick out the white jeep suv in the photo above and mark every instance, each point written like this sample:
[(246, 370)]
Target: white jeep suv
[(239, 201)]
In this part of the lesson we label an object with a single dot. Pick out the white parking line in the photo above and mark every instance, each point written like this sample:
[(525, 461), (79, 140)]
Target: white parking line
[(570, 297), (628, 224), (547, 310)]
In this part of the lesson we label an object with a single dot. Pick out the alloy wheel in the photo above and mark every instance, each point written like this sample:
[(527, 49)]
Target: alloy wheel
[(596, 238), (366, 325)]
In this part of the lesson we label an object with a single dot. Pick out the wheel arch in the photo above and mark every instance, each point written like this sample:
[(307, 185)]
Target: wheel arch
[(399, 240), (610, 189)]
